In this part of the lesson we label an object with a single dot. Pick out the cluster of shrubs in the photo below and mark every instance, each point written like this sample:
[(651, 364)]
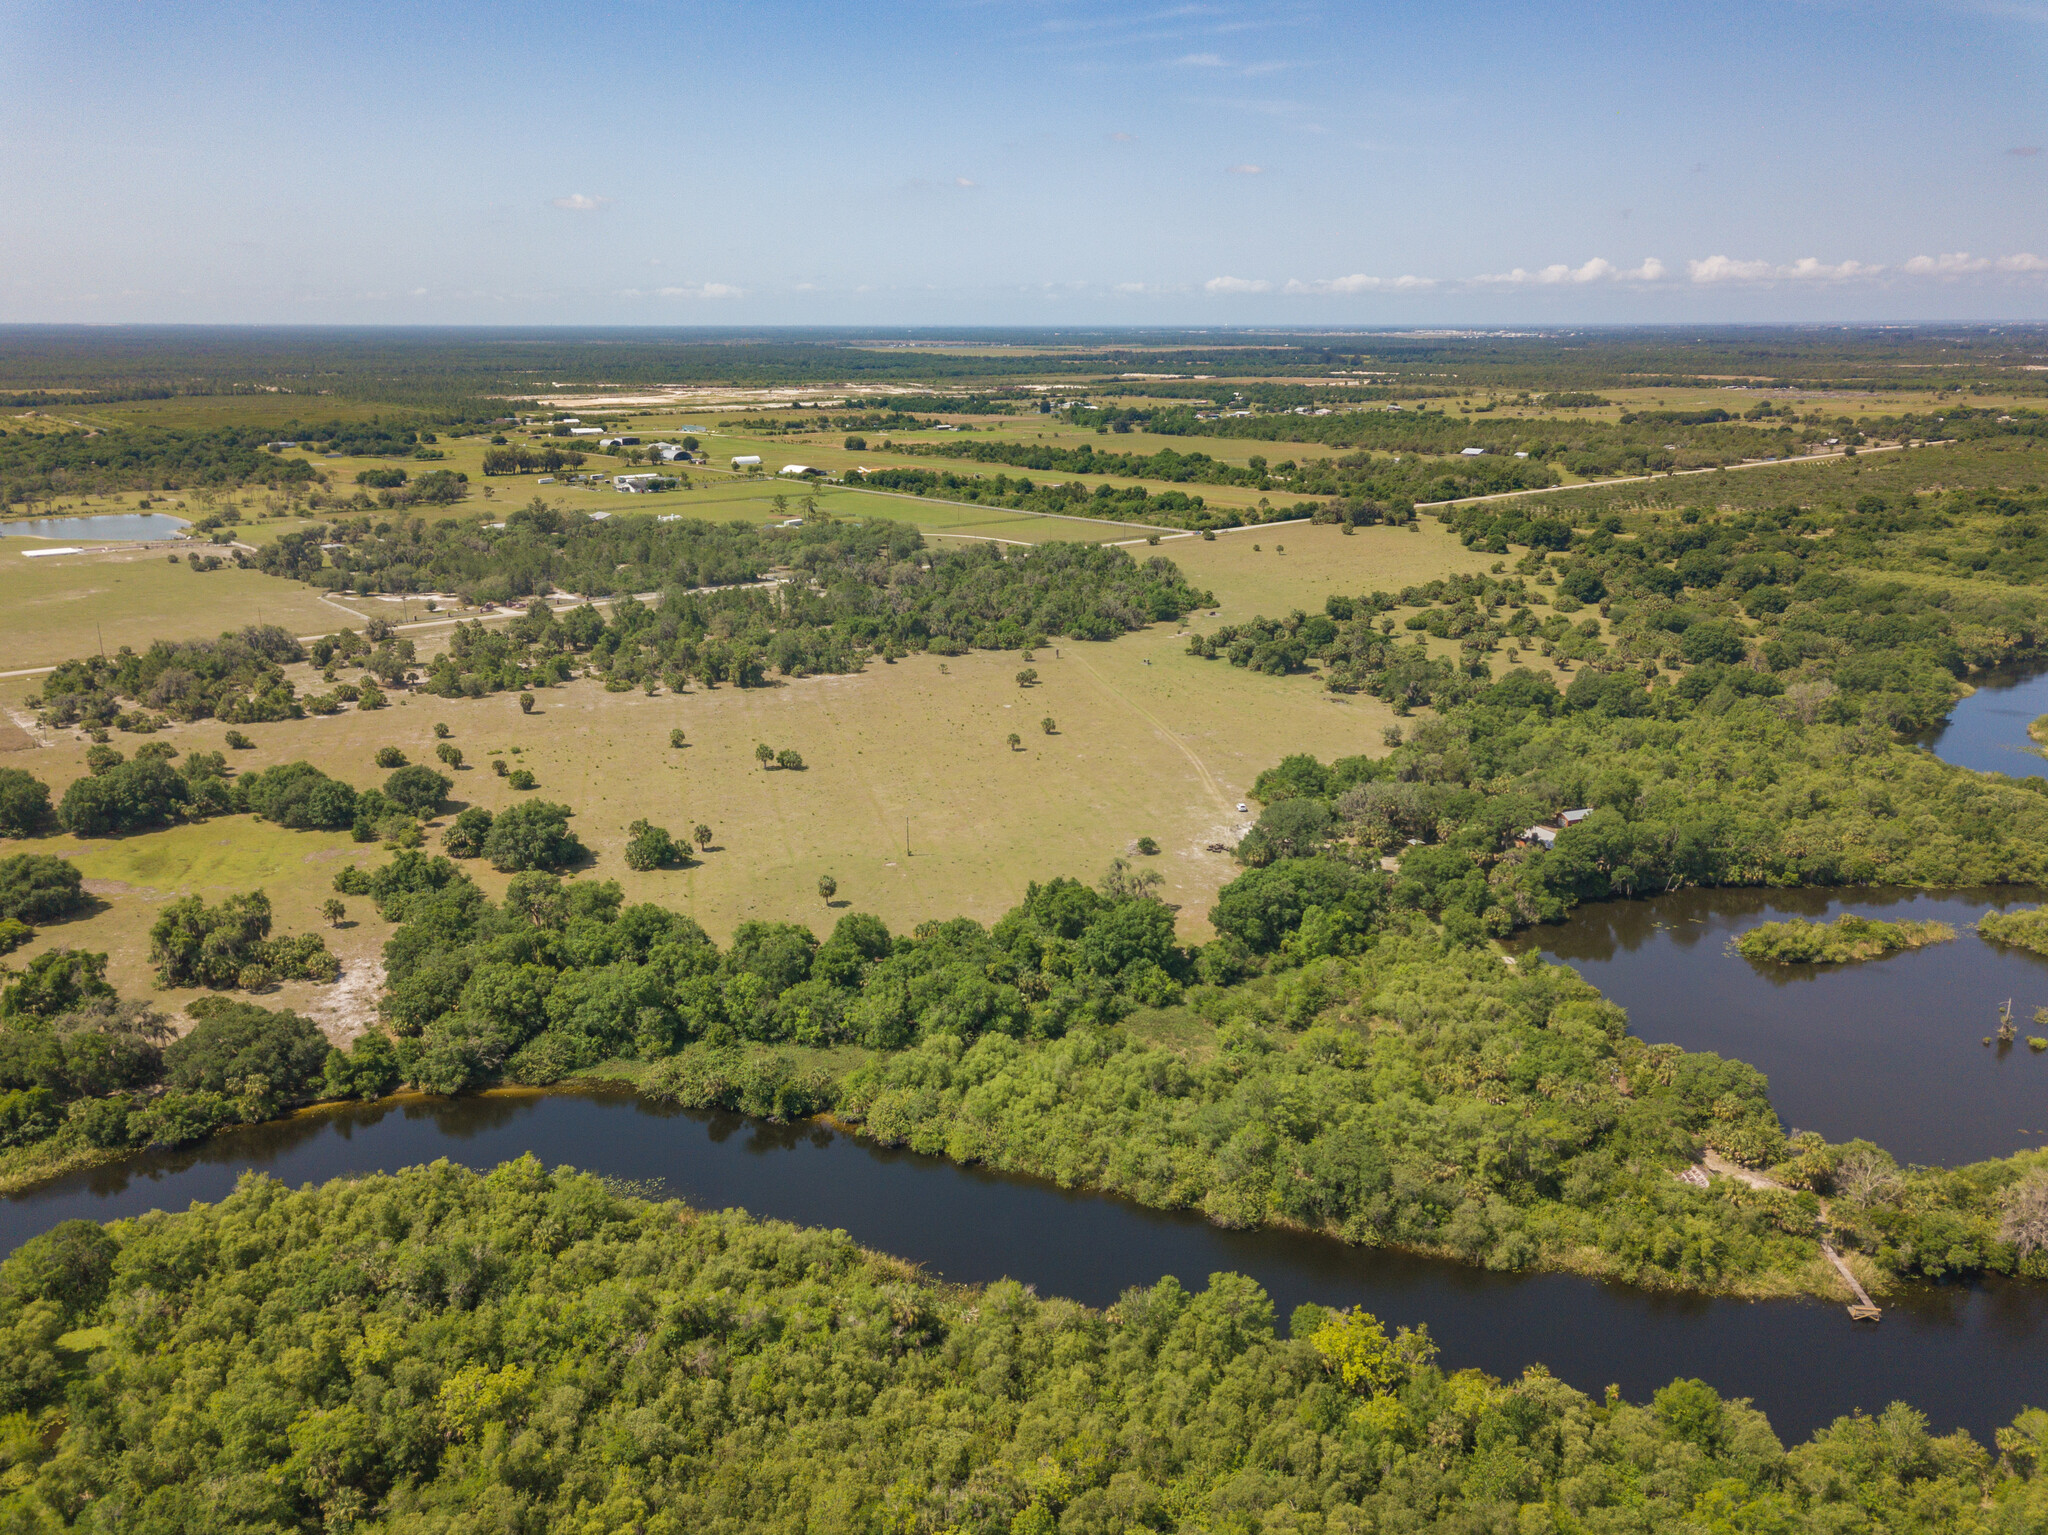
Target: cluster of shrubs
[(81, 1069)]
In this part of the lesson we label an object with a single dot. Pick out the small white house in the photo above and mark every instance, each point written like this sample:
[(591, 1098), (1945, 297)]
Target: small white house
[(636, 484), (746, 461), (1542, 836)]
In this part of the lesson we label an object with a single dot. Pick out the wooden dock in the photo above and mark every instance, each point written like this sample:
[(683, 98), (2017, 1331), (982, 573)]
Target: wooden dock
[(1866, 1310)]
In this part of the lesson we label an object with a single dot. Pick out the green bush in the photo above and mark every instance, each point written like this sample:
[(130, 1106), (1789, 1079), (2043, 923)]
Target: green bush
[(24, 804), (532, 835), (418, 789), (130, 797), (38, 887), (240, 1050), (299, 796)]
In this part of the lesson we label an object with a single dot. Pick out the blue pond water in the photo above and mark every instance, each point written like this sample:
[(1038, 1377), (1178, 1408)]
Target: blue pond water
[(1988, 730), (113, 527)]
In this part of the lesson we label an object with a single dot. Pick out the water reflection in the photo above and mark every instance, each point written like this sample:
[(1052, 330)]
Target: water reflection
[(1888, 1049), (1967, 1356), (1988, 730), (116, 526)]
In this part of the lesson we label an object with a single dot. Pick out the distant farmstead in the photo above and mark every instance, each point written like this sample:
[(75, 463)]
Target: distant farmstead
[(637, 484)]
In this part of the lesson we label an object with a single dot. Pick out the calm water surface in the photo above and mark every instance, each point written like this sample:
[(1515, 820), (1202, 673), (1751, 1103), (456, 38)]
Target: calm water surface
[(112, 526), (1988, 730), (1887, 1049), (1967, 1357)]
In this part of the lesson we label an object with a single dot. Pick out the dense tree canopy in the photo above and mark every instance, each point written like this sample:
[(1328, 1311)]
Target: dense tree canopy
[(529, 1349)]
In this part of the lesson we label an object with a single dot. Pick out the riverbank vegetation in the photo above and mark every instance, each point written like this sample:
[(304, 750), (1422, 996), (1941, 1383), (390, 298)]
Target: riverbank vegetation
[(1849, 937), (1341, 1064), (531, 1347), (2026, 929)]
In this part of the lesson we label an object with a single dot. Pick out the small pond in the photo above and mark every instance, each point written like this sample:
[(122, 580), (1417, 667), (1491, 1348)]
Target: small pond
[(1988, 730), (1967, 1356), (1886, 1049), (120, 527)]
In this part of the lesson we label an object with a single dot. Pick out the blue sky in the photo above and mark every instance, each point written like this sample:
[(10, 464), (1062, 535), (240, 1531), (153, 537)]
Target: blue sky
[(1035, 161)]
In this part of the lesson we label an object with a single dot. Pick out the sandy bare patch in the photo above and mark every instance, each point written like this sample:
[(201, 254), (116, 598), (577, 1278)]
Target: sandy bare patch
[(347, 1009)]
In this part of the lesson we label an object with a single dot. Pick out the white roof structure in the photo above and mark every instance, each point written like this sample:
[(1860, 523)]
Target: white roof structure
[(1470, 452), (745, 460), (635, 482), (1542, 834), (1573, 817), (43, 554), (798, 469)]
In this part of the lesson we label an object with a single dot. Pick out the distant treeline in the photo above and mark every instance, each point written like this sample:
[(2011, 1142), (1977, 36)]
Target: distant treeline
[(468, 371), (35, 464), (855, 591)]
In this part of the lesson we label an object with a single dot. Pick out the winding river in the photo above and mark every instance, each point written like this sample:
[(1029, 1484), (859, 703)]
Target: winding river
[(1967, 1356), (1887, 1050)]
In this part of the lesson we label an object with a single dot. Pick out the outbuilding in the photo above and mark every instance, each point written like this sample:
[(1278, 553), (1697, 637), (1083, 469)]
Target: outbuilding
[(801, 471), (636, 484), (746, 461), (1470, 452)]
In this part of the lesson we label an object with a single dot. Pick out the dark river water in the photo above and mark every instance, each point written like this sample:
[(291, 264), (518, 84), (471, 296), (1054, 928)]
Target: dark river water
[(1988, 730), (1967, 1356), (1889, 1049)]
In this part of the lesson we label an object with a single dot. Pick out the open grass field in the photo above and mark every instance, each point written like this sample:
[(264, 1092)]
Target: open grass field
[(54, 609), (1150, 742)]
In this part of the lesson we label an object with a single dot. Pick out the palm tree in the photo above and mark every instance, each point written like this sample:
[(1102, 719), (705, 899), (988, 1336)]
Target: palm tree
[(1015, 740), (703, 835), (828, 887), (764, 754)]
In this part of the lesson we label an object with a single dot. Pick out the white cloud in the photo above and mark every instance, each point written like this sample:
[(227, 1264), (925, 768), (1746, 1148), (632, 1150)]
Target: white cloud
[(1953, 264), (1200, 61), (703, 290), (1720, 269), (1592, 271), (1238, 285), (1650, 271), (1246, 170), (1360, 282), (1963, 264), (577, 202)]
